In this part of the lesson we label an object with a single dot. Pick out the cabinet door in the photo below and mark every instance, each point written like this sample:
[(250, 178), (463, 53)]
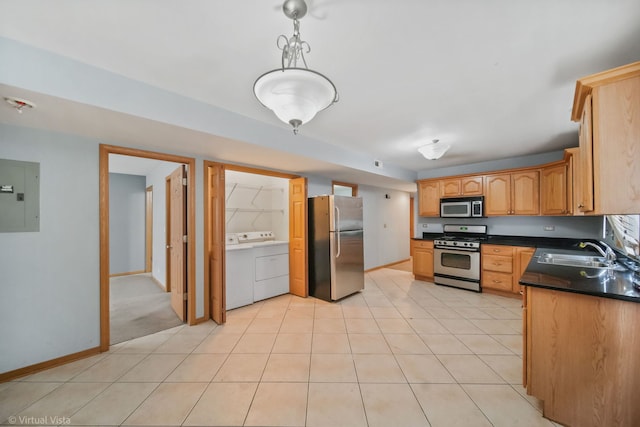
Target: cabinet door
[(585, 180), (522, 258), (497, 200), (553, 190), (422, 262), (573, 172), (525, 196), (450, 187), (471, 186), (428, 198)]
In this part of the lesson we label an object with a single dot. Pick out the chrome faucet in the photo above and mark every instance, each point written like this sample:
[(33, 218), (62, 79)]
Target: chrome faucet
[(608, 253)]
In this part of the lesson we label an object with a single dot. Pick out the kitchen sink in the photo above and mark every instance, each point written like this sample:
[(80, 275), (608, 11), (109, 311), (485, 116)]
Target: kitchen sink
[(580, 261)]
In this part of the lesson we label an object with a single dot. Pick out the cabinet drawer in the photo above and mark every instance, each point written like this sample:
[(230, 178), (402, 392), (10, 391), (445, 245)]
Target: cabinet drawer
[(497, 250), (503, 264), (500, 281), (426, 244)]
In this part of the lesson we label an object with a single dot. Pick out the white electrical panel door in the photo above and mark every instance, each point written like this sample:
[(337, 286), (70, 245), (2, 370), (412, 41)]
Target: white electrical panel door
[(19, 196)]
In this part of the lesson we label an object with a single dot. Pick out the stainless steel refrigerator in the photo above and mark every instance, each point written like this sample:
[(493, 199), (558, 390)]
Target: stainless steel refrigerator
[(336, 254)]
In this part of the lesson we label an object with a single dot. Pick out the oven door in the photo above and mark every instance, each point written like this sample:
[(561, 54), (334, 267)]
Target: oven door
[(457, 263)]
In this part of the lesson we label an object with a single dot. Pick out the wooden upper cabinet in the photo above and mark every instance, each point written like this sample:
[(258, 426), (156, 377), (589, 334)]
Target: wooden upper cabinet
[(553, 189), (525, 193), (429, 198), (515, 193), (497, 197), (466, 186), (607, 106)]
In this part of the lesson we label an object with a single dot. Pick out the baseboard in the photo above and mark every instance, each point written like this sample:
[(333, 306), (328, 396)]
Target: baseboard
[(129, 273), (157, 282), (387, 265), (32, 369)]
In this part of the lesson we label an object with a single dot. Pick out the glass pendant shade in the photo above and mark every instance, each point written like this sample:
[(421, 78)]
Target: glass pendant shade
[(295, 95), (434, 150)]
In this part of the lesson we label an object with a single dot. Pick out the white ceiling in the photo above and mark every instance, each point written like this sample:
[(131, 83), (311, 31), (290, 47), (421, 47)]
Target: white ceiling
[(495, 78)]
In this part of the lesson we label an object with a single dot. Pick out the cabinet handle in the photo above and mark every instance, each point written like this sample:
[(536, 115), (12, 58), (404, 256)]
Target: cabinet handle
[(581, 206), (497, 281), (496, 250)]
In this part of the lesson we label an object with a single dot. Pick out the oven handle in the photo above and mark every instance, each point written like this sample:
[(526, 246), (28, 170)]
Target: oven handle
[(448, 248)]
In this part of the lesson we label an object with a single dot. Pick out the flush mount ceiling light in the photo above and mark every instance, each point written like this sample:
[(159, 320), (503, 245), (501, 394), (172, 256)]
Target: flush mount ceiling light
[(19, 104), (434, 150), (295, 94)]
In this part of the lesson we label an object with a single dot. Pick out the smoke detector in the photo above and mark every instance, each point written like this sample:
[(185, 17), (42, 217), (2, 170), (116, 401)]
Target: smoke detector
[(19, 104)]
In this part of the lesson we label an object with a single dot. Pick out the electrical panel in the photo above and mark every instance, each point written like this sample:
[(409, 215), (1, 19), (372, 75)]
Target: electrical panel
[(19, 196)]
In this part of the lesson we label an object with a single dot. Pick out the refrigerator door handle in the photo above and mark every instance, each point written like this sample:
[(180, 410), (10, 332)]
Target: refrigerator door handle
[(337, 226)]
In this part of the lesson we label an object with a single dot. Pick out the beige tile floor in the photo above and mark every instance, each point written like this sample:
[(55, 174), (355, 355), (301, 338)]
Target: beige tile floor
[(400, 353)]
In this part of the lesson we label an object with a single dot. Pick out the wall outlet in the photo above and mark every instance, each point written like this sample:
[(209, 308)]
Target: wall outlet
[(549, 227), (425, 225)]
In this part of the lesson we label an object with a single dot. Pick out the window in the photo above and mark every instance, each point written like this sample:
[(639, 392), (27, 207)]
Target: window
[(624, 231), (344, 189)]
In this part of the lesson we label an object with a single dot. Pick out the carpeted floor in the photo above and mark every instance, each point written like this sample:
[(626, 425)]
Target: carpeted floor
[(138, 307)]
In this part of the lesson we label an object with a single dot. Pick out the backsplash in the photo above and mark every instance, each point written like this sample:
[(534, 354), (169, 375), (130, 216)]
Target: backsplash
[(534, 226)]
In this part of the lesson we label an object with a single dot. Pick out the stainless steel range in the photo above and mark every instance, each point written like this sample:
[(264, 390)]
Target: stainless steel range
[(457, 256)]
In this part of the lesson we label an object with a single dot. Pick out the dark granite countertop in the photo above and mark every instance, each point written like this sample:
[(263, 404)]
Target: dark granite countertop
[(588, 281)]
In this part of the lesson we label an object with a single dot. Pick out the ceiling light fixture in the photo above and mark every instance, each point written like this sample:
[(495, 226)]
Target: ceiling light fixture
[(434, 150), (295, 94), (19, 104)]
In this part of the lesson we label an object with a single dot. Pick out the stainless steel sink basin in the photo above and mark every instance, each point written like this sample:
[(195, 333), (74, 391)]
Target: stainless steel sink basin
[(580, 261)]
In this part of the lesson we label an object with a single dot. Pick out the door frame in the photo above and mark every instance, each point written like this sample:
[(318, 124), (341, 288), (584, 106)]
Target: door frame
[(215, 235), (104, 151), (148, 229)]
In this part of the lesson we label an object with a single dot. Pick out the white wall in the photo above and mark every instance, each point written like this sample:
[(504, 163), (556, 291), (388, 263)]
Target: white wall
[(386, 226), (126, 223), (50, 279)]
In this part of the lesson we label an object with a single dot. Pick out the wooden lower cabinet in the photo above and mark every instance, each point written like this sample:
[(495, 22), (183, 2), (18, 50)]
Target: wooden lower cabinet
[(422, 259), (501, 267), (581, 357)]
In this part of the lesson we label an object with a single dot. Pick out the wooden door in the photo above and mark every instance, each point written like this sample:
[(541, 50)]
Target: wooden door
[(215, 227), (498, 194), (471, 186), (585, 183), (298, 252), (177, 243), (553, 190), (450, 187), (525, 196), (429, 198)]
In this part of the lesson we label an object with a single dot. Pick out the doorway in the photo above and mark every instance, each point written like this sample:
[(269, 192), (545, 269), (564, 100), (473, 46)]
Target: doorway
[(215, 248), (188, 238)]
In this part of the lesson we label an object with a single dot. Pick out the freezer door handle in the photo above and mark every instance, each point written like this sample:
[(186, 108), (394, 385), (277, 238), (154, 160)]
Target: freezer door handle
[(337, 227)]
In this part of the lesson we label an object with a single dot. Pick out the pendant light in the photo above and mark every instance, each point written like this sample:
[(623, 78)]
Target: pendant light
[(295, 94)]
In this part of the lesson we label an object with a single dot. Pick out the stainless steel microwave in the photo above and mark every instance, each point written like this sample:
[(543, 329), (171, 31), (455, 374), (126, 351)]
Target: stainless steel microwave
[(462, 207)]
